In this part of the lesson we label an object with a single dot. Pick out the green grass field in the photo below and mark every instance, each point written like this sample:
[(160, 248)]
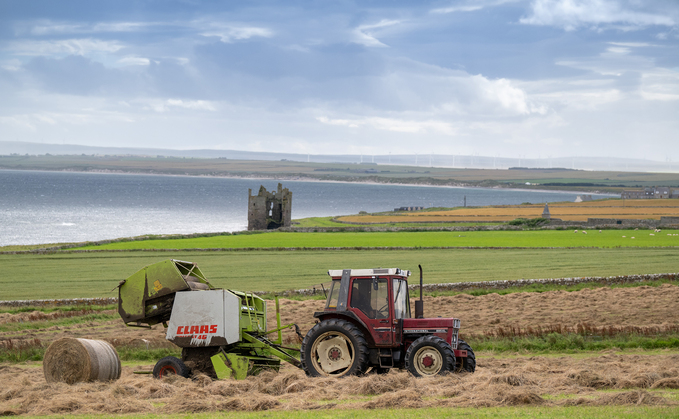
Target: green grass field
[(534, 238), (71, 275)]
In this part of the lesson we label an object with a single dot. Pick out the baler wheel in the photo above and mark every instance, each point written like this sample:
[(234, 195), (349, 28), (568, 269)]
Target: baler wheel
[(467, 364), (334, 348), (170, 365), (429, 356)]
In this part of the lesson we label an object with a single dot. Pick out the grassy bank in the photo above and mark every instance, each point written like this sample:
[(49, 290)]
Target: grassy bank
[(573, 342), (411, 239)]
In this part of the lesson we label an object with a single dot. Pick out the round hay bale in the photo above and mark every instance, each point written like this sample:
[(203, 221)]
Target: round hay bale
[(70, 361)]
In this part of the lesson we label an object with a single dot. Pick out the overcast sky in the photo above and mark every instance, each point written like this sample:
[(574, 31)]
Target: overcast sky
[(535, 78)]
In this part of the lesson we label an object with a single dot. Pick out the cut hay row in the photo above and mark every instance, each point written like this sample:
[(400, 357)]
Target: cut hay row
[(39, 315), (535, 381)]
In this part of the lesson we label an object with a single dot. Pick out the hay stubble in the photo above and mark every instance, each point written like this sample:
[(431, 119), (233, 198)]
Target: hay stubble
[(607, 379)]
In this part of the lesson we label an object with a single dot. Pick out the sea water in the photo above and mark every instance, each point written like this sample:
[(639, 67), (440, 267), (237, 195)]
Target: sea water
[(61, 207)]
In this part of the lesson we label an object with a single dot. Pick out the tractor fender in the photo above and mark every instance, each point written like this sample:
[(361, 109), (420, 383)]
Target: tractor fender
[(349, 316)]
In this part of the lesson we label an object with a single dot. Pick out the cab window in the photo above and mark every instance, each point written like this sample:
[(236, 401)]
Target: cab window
[(401, 299), (333, 296), (371, 296)]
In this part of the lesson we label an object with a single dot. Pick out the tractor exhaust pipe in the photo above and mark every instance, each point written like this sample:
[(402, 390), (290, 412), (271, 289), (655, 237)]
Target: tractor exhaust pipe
[(419, 304)]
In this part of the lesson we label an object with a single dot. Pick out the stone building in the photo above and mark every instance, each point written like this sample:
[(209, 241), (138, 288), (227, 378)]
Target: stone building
[(269, 210), (656, 192)]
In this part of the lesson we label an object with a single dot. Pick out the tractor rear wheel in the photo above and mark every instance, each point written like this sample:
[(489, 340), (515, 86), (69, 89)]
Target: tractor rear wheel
[(467, 364), (170, 366), (429, 356), (334, 348)]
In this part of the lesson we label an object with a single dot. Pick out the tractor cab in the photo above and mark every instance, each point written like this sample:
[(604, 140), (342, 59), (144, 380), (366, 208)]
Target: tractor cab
[(378, 298)]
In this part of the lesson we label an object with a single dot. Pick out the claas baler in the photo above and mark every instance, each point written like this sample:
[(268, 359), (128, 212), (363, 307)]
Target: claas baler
[(222, 333)]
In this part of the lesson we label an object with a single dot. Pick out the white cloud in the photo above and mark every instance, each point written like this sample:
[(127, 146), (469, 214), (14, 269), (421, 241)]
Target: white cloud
[(393, 124), (364, 34), (583, 99), (203, 105), (455, 9), (614, 61), (167, 104), (471, 6), (134, 61), (573, 14), (661, 85), (11, 65), (49, 28), (510, 97), (339, 122), (618, 50), (19, 121), (633, 44), (63, 47), (238, 33)]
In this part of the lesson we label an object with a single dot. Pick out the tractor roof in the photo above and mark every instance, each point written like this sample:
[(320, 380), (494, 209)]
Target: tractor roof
[(370, 272)]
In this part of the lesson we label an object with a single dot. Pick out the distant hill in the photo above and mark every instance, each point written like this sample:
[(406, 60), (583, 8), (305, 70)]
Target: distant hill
[(423, 160)]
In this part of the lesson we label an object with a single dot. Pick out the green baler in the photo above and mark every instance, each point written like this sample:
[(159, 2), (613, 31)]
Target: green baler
[(222, 333)]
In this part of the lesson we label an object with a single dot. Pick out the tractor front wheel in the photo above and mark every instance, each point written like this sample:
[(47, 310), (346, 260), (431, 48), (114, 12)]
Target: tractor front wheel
[(334, 348), (429, 356), (170, 366)]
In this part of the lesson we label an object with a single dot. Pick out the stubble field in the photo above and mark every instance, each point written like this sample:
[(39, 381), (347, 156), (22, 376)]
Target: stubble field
[(605, 378)]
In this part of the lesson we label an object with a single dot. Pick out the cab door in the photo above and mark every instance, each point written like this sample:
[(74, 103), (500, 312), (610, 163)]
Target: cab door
[(370, 300)]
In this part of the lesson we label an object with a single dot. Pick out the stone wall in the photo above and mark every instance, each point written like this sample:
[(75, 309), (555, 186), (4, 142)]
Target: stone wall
[(499, 285)]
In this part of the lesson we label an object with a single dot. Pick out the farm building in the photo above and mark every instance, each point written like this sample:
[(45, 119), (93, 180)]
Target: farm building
[(655, 192)]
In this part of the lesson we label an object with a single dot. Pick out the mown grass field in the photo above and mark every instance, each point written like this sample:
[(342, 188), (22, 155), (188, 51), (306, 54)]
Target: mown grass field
[(71, 275), (412, 239)]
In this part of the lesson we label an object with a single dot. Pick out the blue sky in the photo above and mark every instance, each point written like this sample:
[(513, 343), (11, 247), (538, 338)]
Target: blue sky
[(533, 78)]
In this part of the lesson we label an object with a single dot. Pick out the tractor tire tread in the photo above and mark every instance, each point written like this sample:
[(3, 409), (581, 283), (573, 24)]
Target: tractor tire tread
[(465, 364)]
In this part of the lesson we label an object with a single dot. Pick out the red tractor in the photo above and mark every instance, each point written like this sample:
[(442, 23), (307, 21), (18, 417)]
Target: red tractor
[(366, 327)]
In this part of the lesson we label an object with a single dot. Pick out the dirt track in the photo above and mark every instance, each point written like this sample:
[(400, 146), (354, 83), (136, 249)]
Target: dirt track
[(498, 382), (638, 306)]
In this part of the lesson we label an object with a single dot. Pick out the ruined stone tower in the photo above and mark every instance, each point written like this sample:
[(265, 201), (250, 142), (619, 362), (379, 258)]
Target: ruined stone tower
[(545, 212), (269, 210)]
